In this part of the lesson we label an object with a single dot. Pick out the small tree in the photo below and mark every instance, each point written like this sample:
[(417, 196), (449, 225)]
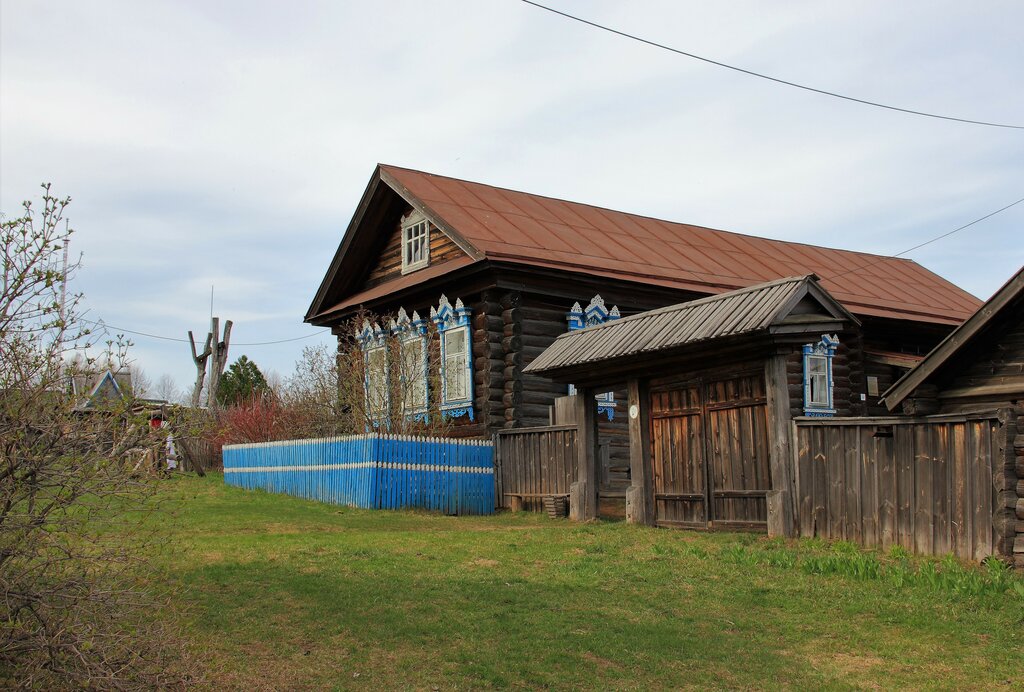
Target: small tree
[(73, 542), (242, 381)]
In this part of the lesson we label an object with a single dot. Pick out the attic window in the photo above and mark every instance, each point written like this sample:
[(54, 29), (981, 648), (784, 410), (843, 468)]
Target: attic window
[(415, 242)]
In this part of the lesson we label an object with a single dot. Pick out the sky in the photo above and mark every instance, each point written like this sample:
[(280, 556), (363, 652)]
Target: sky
[(226, 144)]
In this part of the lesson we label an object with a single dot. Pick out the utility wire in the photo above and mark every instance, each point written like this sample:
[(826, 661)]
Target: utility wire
[(927, 242), (185, 341), (764, 76)]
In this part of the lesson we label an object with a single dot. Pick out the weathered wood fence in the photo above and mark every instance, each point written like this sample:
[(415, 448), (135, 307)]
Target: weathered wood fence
[(371, 471), (533, 462), (933, 485)]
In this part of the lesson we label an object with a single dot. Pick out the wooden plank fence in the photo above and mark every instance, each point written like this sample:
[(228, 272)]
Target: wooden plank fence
[(924, 484), (372, 471), (534, 462)]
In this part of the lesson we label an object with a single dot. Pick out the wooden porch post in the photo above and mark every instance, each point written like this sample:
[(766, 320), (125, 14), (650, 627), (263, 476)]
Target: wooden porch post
[(583, 493), (640, 505), (780, 453)]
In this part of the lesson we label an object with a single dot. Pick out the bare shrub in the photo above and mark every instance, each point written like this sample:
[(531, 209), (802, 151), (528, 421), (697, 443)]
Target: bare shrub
[(76, 603)]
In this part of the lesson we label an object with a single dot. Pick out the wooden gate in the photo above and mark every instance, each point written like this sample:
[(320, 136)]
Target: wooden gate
[(710, 453)]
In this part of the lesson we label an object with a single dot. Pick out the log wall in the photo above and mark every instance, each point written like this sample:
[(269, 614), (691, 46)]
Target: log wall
[(388, 265), (1017, 518), (932, 485)]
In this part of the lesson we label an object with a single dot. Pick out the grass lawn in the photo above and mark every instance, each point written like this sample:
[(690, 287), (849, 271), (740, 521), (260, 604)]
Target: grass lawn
[(287, 593)]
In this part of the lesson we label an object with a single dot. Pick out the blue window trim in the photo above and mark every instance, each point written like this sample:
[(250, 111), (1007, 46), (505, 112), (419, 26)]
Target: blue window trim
[(372, 338), (408, 329), (580, 318), (448, 319), (826, 348)]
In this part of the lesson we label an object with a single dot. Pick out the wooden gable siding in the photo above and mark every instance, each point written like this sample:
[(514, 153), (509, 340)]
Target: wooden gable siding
[(388, 264), (990, 371)]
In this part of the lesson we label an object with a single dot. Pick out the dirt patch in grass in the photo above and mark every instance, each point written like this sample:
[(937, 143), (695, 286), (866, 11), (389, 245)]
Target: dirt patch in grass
[(484, 562)]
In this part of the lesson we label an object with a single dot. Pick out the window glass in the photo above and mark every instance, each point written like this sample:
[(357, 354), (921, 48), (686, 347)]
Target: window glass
[(416, 245), (817, 380), (376, 377), (414, 394), (455, 365)]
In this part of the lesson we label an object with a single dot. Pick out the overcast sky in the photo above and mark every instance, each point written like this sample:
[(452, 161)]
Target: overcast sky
[(227, 143)]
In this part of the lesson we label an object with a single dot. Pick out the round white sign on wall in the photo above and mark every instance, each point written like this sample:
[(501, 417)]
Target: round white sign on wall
[(634, 411)]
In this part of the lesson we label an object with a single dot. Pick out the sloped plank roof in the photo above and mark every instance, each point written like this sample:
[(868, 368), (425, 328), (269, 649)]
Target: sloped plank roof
[(956, 340), (531, 229), (744, 311)]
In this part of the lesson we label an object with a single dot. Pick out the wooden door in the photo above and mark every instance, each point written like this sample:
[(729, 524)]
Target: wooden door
[(736, 425), (710, 453), (680, 481)]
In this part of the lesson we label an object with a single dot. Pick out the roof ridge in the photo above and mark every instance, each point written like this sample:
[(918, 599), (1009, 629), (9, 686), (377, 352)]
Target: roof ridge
[(653, 218)]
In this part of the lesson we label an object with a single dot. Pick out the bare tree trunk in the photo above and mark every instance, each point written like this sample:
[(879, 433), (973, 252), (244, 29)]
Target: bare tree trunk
[(200, 361), (220, 360)]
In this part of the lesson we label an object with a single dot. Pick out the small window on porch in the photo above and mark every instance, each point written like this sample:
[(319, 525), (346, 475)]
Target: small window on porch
[(415, 242), (580, 318), (818, 382)]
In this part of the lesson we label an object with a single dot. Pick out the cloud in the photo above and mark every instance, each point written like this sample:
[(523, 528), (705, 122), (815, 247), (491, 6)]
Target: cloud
[(229, 143)]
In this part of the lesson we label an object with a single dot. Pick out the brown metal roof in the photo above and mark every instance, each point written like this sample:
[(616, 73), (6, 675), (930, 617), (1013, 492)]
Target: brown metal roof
[(744, 311), (518, 227)]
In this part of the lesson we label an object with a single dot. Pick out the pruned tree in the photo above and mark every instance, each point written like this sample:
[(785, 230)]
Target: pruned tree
[(215, 350), (200, 358), (74, 612)]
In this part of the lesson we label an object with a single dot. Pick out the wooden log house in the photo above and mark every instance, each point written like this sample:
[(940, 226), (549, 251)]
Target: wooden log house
[(980, 367), (513, 266)]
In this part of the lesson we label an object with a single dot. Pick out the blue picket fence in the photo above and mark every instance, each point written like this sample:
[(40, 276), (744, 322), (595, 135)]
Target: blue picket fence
[(372, 471)]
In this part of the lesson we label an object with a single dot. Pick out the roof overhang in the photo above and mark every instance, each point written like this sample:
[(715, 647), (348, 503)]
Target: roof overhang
[(1007, 295)]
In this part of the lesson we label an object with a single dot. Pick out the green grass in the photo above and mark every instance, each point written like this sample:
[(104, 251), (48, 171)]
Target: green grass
[(286, 593)]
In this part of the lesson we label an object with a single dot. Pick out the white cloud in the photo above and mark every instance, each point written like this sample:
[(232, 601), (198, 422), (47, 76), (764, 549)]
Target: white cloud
[(229, 143)]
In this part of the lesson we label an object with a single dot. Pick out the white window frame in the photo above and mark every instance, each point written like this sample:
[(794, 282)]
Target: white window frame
[(819, 387), (449, 320), (414, 374), (377, 393), (455, 367), (415, 242)]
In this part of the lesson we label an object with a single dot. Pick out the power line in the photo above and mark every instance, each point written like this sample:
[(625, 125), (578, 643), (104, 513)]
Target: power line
[(927, 242), (764, 76), (185, 341)]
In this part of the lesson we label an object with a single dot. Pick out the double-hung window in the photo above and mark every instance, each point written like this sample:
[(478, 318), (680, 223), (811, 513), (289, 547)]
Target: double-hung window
[(456, 358), (414, 375), (415, 242), (818, 383), (377, 382)]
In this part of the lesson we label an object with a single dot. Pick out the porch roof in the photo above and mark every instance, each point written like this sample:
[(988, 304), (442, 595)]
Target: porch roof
[(794, 303)]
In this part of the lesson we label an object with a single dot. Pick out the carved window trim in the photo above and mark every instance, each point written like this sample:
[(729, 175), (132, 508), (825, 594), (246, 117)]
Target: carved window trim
[(414, 376), (819, 384), (376, 372), (580, 318), (451, 321)]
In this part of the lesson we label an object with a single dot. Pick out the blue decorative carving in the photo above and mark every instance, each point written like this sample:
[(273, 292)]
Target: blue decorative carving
[(818, 382), (580, 318), (373, 343), (408, 330), (452, 322)]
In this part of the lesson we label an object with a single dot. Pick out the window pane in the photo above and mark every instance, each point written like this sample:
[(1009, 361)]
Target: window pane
[(455, 342)]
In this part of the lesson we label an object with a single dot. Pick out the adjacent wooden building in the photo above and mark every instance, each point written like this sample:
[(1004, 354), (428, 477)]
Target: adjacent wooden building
[(980, 367), (516, 270)]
